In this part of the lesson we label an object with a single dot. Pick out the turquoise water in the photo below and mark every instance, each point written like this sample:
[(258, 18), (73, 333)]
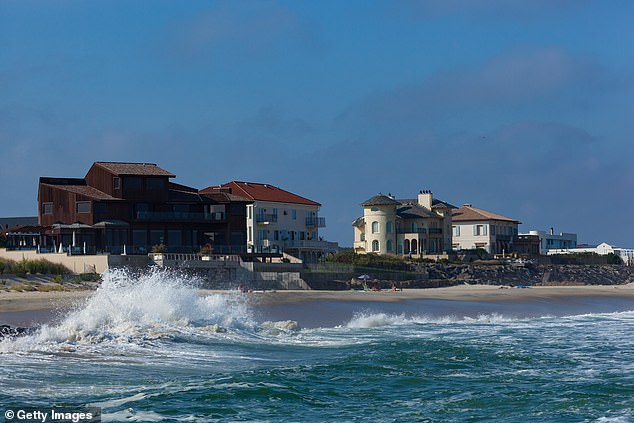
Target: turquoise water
[(151, 349)]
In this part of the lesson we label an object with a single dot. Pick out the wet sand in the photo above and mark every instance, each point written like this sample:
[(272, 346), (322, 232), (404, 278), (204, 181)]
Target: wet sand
[(329, 307)]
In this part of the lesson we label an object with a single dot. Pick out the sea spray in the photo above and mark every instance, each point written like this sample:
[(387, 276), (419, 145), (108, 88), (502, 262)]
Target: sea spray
[(129, 308)]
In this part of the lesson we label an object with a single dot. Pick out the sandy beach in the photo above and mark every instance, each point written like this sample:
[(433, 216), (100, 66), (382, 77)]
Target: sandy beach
[(28, 308)]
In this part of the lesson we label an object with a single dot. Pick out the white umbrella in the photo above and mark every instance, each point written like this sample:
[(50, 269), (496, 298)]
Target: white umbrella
[(74, 242), (123, 254), (84, 247), (61, 248)]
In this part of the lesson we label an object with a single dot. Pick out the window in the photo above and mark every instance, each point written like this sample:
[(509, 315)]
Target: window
[(388, 229), (493, 229), (276, 235), (133, 183), (82, 207), (375, 245), (375, 227), (389, 245), (116, 182), (479, 230), (47, 208), (456, 230), (294, 214), (155, 184)]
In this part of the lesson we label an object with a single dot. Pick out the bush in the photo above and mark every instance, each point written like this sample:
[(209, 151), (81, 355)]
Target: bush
[(368, 260), (24, 267)]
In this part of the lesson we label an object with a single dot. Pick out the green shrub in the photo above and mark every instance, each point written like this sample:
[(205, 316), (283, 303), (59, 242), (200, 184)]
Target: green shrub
[(58, 279)]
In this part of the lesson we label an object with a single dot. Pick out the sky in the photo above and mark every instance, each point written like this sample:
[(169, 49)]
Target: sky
[(521, 108)]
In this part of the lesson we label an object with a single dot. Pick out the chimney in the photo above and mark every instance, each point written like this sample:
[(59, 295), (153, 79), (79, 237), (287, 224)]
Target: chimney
[(425, 199)]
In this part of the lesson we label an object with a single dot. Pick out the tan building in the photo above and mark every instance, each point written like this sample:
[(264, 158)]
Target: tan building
[(416, 227), (477, 228)]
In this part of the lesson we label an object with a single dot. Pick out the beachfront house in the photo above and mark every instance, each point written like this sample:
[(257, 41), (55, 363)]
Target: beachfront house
[(412, 227), (133, 208), (552, 241), (476, 228), (280, 221)]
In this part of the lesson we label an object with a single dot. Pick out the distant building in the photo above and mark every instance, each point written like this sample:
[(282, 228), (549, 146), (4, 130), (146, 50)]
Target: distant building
[(626, 254), (477, 228), (551, 241), (132, 207), (416, 227), (13, 222), (280, 221)]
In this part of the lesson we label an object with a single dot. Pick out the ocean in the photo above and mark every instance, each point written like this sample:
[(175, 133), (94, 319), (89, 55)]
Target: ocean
[(149, 348)]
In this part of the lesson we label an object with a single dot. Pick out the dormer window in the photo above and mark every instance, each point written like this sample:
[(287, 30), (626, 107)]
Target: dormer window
[(116, 183)]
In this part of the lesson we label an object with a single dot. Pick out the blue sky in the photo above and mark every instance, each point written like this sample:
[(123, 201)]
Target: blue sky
[(522, 108)]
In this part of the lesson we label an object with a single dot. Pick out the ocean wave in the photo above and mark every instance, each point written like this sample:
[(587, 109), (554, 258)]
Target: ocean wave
[(144, 309)]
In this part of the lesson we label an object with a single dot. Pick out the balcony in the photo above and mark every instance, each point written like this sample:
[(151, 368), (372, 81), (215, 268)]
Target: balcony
[(180, 216), (435, 231), (319, 222), (265, 218), (411, 231)]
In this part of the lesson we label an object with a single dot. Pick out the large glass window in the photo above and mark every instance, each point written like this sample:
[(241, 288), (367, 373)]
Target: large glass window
[(155, 184), (133, 183), (389, 245), (388, 228), (375, 227), (375, 245)]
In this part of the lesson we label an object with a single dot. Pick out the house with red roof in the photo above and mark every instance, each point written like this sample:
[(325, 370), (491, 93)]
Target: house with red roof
[(279, 220)]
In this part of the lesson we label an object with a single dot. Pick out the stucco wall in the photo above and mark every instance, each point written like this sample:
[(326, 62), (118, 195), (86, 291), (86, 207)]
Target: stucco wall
[(76, 264)]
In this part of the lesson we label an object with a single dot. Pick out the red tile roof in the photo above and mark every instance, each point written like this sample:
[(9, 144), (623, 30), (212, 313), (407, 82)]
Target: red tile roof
[(144, 169), (468, 213), (262, 192)]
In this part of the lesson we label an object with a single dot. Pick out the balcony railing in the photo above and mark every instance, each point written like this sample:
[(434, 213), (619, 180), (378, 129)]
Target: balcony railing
[(319, 222), (435, 231), (411, 231), (265, 218), (180, 216)]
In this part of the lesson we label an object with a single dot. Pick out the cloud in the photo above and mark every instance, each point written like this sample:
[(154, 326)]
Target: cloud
[(229, 29), (485, 10), (515, 80)]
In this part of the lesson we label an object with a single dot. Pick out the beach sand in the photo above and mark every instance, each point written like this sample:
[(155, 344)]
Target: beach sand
[(314, 308)]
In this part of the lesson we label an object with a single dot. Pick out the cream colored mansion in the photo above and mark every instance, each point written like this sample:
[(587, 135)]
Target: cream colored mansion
[(417, 226)]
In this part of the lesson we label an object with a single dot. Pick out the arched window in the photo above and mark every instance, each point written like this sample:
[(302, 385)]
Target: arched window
[(375, 245), (406, 250), (389, 245), (375, 227), (388, 227), (414, 246)]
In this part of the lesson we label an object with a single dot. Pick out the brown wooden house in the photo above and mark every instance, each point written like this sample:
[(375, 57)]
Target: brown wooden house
[(137, 206)]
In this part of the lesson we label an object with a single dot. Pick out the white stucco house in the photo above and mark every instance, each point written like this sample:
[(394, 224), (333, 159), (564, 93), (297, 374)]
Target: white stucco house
[(417, 227), (476, 228), (280, 221)]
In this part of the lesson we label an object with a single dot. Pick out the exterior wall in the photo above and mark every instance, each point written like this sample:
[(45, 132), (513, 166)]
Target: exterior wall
[(464, 238), (271, 226), (64, 206), (382, 215), (76, 264), (495, 237), (102, 179)]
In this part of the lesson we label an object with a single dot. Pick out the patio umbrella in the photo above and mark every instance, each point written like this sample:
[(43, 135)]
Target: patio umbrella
[(364, 277)]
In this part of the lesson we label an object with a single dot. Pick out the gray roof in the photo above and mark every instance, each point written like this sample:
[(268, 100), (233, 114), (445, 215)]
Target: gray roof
[(380, 200), (413, 211), (358, 222)]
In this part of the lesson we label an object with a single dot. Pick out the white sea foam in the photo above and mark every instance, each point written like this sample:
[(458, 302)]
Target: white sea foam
[(140, 309)]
